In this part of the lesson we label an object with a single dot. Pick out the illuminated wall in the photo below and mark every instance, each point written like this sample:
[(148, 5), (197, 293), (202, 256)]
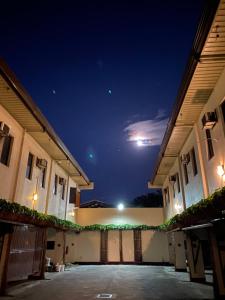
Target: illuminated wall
[(148, 216)]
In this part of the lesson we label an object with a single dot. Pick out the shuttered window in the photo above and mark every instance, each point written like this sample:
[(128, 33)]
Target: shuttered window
[(6, 150), (29, 169)]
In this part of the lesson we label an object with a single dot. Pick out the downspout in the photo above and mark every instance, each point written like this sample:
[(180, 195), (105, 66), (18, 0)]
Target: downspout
[(18, 166), (201, 161), (49, 184)]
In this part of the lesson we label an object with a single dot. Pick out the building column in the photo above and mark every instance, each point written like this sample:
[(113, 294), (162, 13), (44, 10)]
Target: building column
[(194, 257), (77, 201), (171, 248), (201, 162), (4, 262), (218, 260), (180, 258)]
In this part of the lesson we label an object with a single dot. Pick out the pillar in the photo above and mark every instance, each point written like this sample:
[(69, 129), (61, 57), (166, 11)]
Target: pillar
[(171, 248), (180, 258), (4, 262), (77, 201), (194, 257), (218, 260)]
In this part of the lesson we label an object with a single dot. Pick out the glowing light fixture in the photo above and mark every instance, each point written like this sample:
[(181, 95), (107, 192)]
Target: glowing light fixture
[(120, 206), (35, 197), (220, 170), (178, 207)]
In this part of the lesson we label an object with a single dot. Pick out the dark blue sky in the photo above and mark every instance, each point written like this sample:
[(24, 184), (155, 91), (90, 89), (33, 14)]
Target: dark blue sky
[(95, 67)]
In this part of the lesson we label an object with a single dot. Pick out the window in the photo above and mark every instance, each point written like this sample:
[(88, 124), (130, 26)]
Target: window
[(167, 196), (43, 176), (194, 162), (50, 245), (173, 189), (63, 190), (6, 150), (55, 189), (209, 144), (185, 173), (223, 110), (73, 192), (29, 169), (178, 183)]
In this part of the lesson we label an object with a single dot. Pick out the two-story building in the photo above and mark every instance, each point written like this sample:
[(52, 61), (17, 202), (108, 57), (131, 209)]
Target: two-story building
[(191, 161), (36, 171)]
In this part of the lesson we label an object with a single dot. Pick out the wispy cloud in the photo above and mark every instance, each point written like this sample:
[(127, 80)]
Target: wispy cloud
[(148, 132)]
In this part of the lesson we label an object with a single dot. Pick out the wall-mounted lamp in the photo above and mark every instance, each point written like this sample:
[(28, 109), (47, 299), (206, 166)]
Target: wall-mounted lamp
[(178, 207), (220, 170), (35, 197)]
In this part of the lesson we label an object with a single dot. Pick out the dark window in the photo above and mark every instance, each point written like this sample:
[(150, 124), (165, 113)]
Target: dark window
[(63, 190), (185, 173), (6, 150), (178, 183), (43, 176), (167, 196), (29, 169), (55, 189), (194, 162), (73, 192), (209, 144), (223, 110), (50, 245), (173, 189)]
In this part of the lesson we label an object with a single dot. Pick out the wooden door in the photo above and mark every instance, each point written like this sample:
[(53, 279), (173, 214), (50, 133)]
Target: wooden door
[(104, 247), (137, 246)]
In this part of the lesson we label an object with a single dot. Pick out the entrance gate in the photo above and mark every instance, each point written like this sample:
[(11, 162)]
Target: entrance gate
[(26, 252)]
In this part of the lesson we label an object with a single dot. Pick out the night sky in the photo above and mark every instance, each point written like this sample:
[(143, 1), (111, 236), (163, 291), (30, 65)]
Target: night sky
[(103, 72)]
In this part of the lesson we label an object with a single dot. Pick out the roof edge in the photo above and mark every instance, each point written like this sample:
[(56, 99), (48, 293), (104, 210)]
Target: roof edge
[(203, 29), (27, 100)]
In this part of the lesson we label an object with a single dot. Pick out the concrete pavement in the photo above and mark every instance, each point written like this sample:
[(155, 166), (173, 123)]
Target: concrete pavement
[(121, 282)]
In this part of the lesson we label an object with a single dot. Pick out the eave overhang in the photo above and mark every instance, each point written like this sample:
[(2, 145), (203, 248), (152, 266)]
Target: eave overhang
[(16, 100), (205, 65)]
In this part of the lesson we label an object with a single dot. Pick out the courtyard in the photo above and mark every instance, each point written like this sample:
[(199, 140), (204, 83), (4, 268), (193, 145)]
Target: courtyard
[(113, 282)]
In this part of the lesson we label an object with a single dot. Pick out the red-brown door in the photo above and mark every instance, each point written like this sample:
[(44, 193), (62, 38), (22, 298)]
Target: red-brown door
[(26, 252)]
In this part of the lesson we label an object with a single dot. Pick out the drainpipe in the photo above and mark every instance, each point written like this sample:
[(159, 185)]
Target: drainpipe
[(201, 161), (49, 185), (18, 167), (182, 182)]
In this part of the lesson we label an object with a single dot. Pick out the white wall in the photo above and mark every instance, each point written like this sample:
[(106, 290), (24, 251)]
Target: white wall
[(218, 136), (148, 216), (113, 246), (8, 173), (154, 246), (26, 187), (56, 255), (87, 246), (128, 245), (193, 190)]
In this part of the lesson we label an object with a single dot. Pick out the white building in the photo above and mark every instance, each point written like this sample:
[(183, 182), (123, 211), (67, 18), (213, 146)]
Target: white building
[(36, 168), (36, 171), (191, 161)]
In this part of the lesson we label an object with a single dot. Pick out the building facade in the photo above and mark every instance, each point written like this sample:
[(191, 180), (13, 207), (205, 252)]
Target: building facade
[(191, 162), (36, 171)]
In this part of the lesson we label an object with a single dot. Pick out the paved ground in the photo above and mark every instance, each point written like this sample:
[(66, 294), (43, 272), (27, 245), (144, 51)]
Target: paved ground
[(116, 282)]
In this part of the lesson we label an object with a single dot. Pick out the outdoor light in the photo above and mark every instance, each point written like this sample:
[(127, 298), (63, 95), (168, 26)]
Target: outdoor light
[(120, 206), (178, 207), (220, 170), (35, 197)]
